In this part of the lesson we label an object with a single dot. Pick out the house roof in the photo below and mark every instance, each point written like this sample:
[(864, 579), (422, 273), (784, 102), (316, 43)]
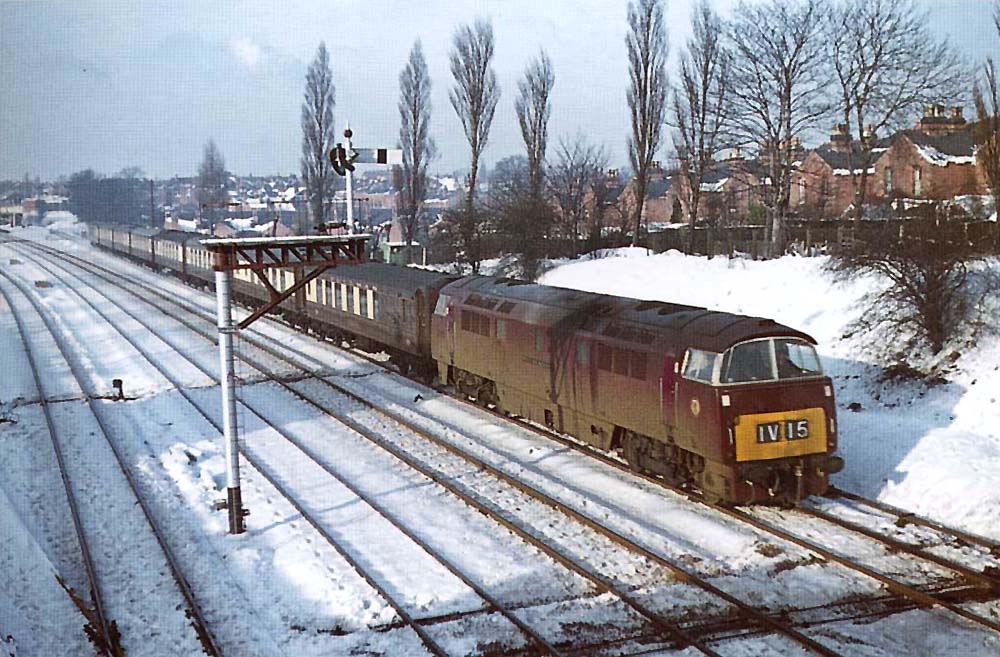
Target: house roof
[(957, 147), (842, 161), (659, 187)]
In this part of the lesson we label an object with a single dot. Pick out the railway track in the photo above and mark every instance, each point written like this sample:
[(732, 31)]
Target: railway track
[(757, 619), (676, 636), (948, 600), (102, 630)]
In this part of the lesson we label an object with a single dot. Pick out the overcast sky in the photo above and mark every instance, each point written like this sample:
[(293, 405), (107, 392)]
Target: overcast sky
[(106, 85)]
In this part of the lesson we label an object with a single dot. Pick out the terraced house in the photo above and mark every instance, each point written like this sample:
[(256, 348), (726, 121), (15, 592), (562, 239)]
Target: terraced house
[(935, 160)]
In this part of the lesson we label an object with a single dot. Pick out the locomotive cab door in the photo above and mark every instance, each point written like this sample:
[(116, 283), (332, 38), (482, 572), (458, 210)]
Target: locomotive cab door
[(668, 390)]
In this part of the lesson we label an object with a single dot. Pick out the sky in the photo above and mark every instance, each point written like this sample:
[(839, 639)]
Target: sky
[(109, 84)]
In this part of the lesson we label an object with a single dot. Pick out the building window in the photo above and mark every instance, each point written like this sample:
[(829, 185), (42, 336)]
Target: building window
[(802, 191), (888, 182), (917, 183)]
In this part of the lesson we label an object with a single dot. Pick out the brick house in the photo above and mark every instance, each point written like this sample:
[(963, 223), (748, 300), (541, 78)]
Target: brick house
[(822, 184), (936, 160)]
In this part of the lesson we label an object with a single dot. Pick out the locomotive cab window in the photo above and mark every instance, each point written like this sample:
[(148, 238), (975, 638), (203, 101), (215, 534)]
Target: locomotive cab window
[(770, 360), (700, 365), (796, 359)]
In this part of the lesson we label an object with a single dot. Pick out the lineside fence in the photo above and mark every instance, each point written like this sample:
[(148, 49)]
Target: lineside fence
[(816, 237)]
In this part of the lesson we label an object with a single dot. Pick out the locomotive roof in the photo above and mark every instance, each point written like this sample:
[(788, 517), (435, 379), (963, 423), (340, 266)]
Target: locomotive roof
[(691, 326)]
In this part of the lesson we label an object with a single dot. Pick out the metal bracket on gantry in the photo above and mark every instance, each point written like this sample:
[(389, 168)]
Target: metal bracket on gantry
[(312, 255)]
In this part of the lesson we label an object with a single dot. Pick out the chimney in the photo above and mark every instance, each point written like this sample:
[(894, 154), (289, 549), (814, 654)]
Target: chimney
[(840, 140), (937, 121)]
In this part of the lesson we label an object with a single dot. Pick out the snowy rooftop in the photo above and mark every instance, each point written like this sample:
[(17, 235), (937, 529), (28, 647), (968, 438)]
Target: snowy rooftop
[(283, 241)]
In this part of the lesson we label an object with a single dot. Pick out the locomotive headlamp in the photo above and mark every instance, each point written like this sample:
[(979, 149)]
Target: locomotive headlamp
[(827, 391), (725, 400)]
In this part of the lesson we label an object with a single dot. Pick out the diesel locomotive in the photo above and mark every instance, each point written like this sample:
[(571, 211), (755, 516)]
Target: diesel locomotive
[(737, 407)]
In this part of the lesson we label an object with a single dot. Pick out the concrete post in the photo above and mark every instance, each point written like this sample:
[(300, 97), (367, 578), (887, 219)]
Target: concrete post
[(234, 501)]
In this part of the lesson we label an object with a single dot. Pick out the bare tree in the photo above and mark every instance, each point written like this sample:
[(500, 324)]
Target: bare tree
[(988, 128), (318, 134), (887, 63), (780, 76), (533, 111), (418, 146), (414, 136), (934, 292), (571, 179), (211, 182), (647, 46), (700, 108), (474, 98)]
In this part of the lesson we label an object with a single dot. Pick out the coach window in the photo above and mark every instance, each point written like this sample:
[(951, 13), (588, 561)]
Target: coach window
[(700, 365), (539, 344), (356, 298), (501, 329), (372, 304), (582, 352), (362, 302)]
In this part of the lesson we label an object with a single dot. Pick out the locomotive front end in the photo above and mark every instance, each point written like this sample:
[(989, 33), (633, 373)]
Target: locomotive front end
[(777, 409)]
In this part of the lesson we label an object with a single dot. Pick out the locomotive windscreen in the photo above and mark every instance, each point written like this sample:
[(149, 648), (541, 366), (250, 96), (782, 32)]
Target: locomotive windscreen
[(770, 360)]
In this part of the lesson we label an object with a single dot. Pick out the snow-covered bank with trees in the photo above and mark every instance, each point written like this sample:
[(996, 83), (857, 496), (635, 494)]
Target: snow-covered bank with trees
[(932, 448)]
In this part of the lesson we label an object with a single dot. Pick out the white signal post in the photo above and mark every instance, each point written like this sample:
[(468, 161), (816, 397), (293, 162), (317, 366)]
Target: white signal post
[(350, 180), (344, 157)]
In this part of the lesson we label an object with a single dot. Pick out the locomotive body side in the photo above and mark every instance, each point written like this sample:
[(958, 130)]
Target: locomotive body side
[(622, 374)]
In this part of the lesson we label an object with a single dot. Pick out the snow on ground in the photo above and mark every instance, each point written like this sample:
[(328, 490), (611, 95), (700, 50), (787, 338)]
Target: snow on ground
[(929, 449), (934, 450)]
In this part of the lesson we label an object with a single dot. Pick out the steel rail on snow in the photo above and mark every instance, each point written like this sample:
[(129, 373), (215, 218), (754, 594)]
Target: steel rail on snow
[(202, 631), (678, 635), (760, 617), (914, 593), (428, 641), (111, 643)]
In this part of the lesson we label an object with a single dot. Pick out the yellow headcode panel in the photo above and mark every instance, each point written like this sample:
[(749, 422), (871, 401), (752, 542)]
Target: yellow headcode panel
[(777, 435)]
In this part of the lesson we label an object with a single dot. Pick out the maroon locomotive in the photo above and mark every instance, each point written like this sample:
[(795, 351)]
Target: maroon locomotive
[(737, 407)]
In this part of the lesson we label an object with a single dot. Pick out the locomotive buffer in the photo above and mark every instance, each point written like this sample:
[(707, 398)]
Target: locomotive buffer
[(310, 256)]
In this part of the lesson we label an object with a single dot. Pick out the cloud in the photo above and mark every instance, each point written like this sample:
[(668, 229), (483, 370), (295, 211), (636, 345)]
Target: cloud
[(248, 52)]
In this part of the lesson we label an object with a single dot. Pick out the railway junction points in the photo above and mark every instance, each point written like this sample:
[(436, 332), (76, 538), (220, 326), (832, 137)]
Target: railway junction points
[(391, 518)]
